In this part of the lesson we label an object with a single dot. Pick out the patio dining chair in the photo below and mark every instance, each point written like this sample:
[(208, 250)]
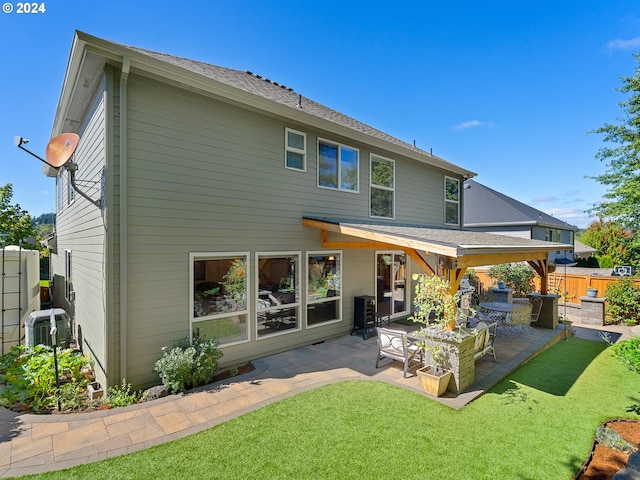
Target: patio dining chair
[(395, 344), (536, 302), (519, 318), (485, 335)]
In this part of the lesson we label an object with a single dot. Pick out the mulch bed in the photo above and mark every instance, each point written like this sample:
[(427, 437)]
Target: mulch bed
[(603, 462), (240, 369)]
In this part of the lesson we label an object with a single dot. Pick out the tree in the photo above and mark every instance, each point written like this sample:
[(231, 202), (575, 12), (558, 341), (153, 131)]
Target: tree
[(517, 276), (622, 200), (615, 244), (14, 221)]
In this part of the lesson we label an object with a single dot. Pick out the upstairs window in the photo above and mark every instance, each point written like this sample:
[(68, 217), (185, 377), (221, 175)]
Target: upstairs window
[(451, 201), (382, 187), (337, 166), (296, 150)]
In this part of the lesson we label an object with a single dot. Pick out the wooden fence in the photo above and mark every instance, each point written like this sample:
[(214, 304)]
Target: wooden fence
[(574, 284)]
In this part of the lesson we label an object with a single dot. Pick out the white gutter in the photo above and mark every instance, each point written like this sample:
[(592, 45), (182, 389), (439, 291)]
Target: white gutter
[(124, 250)]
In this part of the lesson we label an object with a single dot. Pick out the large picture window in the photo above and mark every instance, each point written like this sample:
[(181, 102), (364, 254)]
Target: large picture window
[(219, 297), (296, 150), (451, 201), (337, 166), (278, 301), (382, 187), (323, 288)]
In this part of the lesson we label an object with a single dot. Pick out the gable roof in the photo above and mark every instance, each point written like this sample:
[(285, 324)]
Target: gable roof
[(485, 207), (89, 54)]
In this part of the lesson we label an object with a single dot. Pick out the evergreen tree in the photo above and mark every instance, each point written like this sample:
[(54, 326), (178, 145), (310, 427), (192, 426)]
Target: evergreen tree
[(622, 177)]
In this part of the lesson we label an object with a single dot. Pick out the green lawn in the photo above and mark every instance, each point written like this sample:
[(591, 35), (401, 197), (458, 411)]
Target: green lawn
[(536, 424)]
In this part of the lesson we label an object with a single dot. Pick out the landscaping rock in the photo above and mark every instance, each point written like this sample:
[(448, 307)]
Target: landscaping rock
[(156, 392), (634, 460), (627, 474)]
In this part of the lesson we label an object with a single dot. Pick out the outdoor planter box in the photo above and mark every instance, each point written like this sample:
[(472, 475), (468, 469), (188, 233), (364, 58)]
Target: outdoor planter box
[(460, 360), (94, 391)]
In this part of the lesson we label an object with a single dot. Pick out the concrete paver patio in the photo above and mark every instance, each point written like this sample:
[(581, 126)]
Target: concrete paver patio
[(38, 443)]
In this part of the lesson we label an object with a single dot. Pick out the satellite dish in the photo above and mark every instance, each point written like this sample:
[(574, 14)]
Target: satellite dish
[(60, 149)]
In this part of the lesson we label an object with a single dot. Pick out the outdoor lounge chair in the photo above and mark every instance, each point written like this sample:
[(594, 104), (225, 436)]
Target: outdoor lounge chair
[(395, 344)]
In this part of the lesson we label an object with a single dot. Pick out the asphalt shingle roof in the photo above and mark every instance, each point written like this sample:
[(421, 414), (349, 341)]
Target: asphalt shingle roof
[(257, 85), (484, 206)]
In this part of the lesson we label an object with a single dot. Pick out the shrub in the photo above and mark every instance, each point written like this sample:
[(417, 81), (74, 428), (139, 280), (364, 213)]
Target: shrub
[(611, 439), (122, 396), (187, 366), (628, 352), (29, 378), (623, 302), (518, 276)]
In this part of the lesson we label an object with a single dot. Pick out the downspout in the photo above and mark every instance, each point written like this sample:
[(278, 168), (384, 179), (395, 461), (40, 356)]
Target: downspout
[(124, 250)]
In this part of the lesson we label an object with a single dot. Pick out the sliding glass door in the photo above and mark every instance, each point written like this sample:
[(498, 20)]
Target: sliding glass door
[(391, 283)]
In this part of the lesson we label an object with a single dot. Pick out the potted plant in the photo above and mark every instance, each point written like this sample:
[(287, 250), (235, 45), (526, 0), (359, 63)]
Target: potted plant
[(592, 292), (436, 308)]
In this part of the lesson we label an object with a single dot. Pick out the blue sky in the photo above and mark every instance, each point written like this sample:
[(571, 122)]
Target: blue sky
[(507, 89)]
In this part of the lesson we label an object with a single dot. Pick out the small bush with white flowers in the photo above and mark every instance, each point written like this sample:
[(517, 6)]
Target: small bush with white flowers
[(186, 365)]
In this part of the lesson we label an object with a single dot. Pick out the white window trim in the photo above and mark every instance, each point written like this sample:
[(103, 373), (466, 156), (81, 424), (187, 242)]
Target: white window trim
[(297, 304), (68, 275), (302, 151), (213, 256), (339, 146), (407, 280), (446, 200), (372, 157), (59, 192), (71, 193), (313, 253)]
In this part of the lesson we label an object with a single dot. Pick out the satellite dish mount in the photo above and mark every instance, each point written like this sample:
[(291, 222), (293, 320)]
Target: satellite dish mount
[(58, 155)]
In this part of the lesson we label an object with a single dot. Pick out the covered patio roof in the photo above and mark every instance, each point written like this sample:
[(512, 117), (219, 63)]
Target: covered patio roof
[(461, 248)]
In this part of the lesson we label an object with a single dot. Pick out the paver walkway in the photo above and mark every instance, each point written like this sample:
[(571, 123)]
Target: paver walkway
[(38, 443)]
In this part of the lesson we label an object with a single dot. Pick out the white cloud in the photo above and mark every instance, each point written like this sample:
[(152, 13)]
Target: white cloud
[(572, 216), (472, 124), (619, 44)]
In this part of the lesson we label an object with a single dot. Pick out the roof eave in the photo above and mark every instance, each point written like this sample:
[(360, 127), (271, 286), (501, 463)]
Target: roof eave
[(195, 81)]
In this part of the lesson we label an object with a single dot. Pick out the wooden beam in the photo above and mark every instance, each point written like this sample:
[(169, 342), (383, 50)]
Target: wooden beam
[(498, 258), (421, 262), (542, 268), (340, 245), (455, 277)]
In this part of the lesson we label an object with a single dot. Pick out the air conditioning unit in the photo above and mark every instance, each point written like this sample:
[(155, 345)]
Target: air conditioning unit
[(38, 328)]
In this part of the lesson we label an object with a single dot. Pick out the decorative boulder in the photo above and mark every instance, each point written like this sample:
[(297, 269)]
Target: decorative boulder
[(634, 460), (627, 474)]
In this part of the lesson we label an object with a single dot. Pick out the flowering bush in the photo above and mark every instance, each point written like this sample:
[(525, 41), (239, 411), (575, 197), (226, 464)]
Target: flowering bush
[(187, 366)]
